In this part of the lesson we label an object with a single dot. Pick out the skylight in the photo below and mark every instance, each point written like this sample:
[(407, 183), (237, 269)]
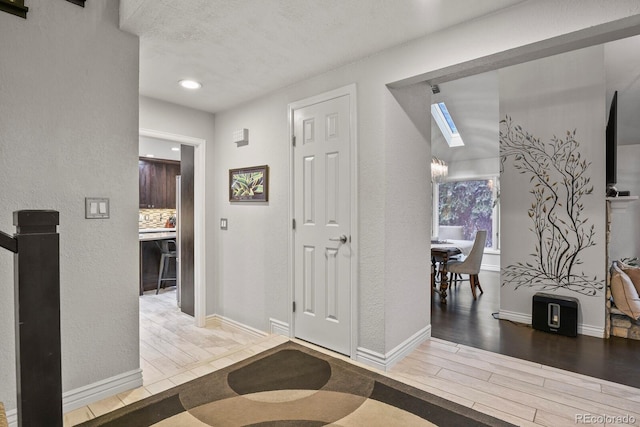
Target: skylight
[(445, 123)]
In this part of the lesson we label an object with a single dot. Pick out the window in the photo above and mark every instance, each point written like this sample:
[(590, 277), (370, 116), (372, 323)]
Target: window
[(471, 204), (444, 121)]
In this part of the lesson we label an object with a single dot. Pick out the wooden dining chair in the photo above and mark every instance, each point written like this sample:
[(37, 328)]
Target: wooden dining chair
[(470, 265)]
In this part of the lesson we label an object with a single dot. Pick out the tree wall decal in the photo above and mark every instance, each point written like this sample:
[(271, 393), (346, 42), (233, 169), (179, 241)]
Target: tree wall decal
[(559, 183)]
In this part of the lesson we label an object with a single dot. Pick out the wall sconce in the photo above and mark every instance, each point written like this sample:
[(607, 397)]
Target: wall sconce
[(14, 7), (241, 137), (439, 170)]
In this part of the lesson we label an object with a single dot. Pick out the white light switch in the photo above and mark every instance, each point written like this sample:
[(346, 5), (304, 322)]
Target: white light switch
[(96, 208)]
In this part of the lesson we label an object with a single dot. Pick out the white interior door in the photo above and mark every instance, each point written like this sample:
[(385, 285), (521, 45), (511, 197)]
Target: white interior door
[(322, 212)]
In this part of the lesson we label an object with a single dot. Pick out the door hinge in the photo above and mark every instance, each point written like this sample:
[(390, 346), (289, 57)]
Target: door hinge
[(293, 140), (293, 223), (294, 306)]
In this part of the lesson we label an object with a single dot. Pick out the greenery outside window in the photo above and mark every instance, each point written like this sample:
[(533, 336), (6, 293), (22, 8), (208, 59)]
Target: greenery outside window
[(472, 204)]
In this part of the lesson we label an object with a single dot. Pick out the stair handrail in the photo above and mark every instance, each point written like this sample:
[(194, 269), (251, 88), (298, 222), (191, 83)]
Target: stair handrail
[(36, 248), (8, 242)]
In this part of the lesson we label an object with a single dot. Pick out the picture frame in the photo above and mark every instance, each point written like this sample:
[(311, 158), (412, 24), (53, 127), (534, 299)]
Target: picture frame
[(250, 184)]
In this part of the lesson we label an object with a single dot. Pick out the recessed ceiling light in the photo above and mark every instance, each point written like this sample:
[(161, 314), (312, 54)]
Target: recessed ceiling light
[(175, 148), (190, 84)]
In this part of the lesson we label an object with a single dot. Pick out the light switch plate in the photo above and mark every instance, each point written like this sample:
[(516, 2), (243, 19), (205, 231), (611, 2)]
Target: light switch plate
[(96, 208), (223, 223)]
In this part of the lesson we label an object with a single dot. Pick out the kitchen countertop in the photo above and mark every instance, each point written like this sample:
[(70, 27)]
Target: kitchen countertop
[(155, 230), (157, 235)]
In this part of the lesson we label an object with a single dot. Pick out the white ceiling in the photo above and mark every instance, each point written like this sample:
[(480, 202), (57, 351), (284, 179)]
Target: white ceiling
[(474, 104), (242, 49)]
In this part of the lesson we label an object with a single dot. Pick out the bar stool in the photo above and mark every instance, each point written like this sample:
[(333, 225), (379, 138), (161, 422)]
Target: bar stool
[(168, 250)]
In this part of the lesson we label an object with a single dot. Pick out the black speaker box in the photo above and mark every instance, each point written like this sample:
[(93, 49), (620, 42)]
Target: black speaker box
[(555, 314)]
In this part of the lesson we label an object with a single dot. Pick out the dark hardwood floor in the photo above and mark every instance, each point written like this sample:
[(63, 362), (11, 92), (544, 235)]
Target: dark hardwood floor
[(472, 323)]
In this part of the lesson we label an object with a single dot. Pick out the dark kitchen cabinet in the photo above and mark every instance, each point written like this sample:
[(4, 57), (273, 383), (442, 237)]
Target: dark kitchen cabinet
[(150, 266), (157, 180)]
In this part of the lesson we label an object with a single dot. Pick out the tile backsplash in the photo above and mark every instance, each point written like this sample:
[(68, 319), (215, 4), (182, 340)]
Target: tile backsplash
[(154, 218)]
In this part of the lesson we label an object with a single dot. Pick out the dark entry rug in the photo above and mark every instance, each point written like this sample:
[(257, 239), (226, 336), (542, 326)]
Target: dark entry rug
[(291, 385)]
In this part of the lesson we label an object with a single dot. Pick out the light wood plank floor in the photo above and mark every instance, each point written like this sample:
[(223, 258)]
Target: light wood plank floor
[(521, 392), (173, 351)]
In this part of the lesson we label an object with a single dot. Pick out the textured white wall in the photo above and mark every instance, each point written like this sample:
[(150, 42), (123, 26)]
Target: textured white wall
[(251, 264), (625, 225), (253, 295), (549, 97), (176, 119), (68, 130), (499, 32), (407, 212), (68, 113)]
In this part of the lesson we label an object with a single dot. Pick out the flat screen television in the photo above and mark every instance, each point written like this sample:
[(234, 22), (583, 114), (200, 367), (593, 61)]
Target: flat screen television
[(612, 143)]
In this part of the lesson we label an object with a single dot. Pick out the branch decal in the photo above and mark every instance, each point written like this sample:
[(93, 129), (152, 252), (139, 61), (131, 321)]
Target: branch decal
[(559, 182)]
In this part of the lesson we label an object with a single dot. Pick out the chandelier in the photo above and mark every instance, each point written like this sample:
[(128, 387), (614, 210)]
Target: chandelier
[(439, 170)]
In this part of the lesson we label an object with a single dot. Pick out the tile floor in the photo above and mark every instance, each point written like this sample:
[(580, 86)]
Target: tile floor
[(173, 351), (524, 393)]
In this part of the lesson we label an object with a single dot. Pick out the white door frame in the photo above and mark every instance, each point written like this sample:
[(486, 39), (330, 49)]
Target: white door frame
[(345, 90), (200, 278)]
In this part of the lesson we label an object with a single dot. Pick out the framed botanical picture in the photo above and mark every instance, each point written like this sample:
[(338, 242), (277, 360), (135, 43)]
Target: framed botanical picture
[(249, 184)]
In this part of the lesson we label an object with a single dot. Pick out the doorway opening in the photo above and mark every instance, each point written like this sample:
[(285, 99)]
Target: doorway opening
[(197, 146), (166, 318), (515, 337)]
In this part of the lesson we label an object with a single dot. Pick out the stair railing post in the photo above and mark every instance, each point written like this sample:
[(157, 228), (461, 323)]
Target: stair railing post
[(37, 311)]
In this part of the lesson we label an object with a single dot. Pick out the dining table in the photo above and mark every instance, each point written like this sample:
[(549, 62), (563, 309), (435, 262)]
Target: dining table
[(441, 252)]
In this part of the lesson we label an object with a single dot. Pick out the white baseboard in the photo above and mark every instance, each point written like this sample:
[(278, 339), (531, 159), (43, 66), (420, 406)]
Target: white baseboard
[(79, 397), (371, 358), (384, 362), (490, 267), (83, 396), (279, 327), (515, 317), (12, 418), (592, 331), (589, 330), (216, 319)]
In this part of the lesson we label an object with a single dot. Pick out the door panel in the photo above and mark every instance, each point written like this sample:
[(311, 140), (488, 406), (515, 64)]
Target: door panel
[(187, 234), (322, 202)]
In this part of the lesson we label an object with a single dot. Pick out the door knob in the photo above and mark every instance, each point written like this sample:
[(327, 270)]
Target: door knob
[(342, 239)]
